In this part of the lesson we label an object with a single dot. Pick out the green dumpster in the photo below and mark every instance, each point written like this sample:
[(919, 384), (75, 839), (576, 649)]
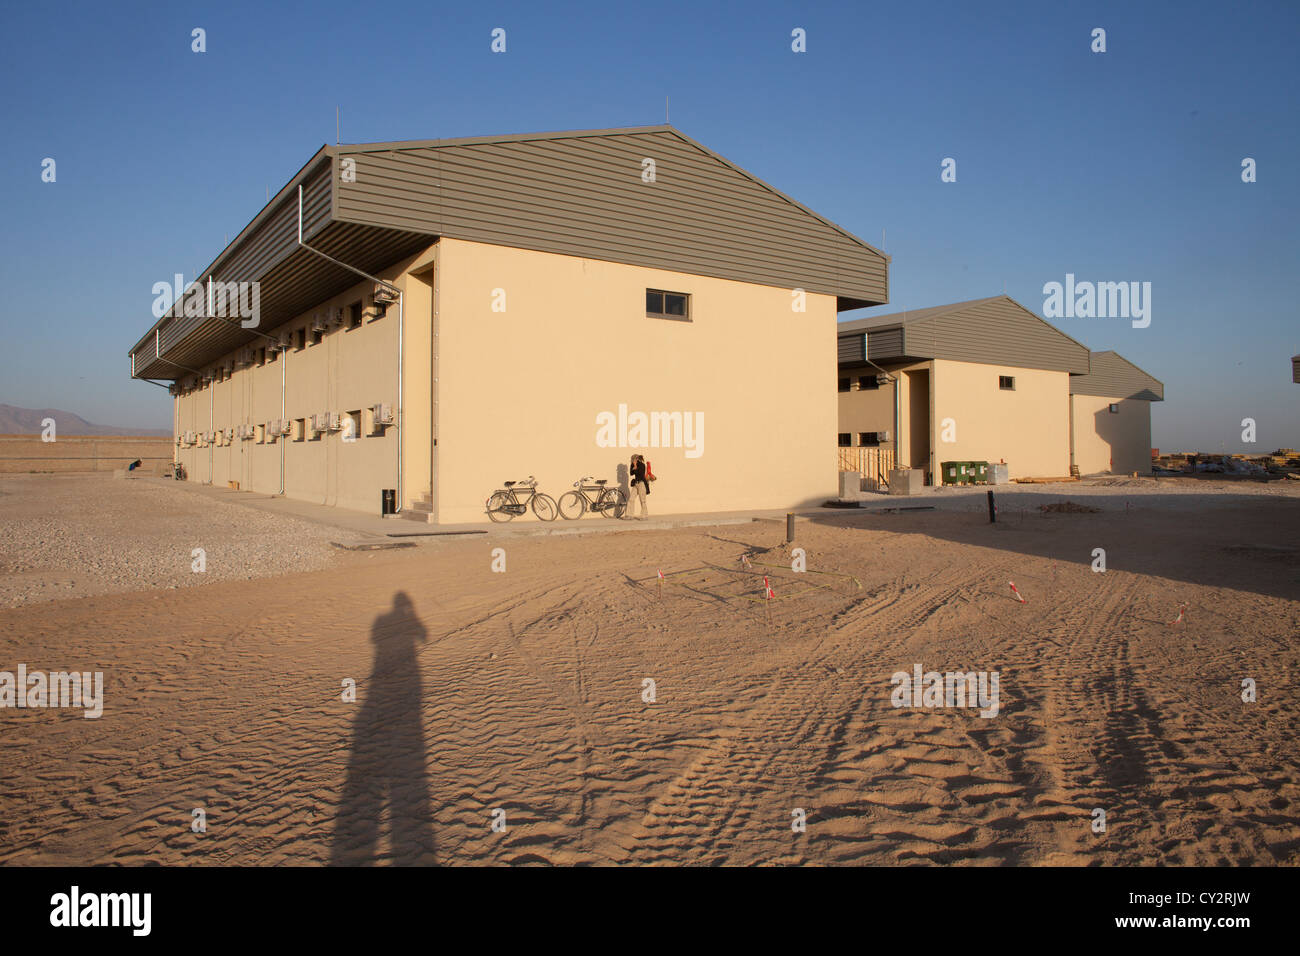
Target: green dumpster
[(954, 472), (979, 472)]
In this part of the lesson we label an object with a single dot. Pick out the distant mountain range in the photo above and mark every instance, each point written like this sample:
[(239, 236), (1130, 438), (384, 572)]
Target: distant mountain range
[(27, 421)]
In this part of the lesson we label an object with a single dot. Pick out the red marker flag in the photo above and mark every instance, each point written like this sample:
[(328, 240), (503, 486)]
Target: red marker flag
[(661, 575), (1179, 618), (1017, 593), (768, 593)]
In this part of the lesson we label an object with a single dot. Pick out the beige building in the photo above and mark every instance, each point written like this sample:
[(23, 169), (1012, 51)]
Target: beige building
[(987, 380), (1110, 416), (436, 317)]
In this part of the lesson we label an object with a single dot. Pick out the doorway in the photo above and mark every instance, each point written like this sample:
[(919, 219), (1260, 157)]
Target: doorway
[(918, 420)]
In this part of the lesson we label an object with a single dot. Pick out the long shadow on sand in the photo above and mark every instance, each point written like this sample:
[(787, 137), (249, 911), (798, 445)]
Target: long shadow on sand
[(1241, 542), (386, 771)]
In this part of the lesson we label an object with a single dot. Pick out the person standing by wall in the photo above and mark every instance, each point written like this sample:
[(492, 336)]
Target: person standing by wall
[(640, 487)]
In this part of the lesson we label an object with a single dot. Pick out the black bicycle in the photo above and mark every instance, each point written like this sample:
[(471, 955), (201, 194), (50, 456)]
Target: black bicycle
[(505, 503), (592, 495)]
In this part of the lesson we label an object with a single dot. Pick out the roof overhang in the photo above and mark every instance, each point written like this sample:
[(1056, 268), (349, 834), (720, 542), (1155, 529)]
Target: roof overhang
[(290, 279)]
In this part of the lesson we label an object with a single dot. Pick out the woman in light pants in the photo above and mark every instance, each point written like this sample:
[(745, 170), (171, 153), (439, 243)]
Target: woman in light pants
[(639, 488)]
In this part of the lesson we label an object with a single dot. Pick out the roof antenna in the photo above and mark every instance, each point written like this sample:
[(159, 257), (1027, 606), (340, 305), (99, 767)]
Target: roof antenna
[(336, 126)]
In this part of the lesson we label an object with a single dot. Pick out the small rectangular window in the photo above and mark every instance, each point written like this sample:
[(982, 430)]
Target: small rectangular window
[(261, 434), (299, 429), (317, 337), (1007, 382), (272, 354), (871, 439), (352, 425), (844, 385), (1114, 409), (867, 382), (354, 315), (846, 440), (667, 305), (300, 339), (261, 357)]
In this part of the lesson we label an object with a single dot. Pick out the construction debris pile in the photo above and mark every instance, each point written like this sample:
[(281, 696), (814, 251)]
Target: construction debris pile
[(1282, 463)]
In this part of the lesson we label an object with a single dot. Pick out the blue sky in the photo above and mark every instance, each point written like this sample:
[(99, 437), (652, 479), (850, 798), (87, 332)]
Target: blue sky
[(1122, 166)]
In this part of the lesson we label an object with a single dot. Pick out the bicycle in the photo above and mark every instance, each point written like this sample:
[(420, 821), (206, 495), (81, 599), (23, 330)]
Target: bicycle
[(610, 502), (504, 505)]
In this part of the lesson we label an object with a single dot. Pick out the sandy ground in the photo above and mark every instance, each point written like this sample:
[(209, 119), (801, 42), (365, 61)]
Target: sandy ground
[(524, 692), (74, 535)]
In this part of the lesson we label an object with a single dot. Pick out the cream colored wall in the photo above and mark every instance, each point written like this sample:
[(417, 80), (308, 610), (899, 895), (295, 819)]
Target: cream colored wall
[(871, 410), (351, 369), (520, 391), (417, 384), (1105, 441), (1028, 427)]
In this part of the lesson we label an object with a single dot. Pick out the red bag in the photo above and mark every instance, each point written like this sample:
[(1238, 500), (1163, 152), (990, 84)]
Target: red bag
[(649, 473)]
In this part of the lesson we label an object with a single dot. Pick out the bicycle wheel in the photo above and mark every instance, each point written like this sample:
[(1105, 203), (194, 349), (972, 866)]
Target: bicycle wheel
[(572, 505), (612, 503), (544, 507), (496, 506)]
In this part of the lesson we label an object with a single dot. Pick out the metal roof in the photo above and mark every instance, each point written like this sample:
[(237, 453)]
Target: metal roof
[(994, 331), (1111, 375), (575, 193)]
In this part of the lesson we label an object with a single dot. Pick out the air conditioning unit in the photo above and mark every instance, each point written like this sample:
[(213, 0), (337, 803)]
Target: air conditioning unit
[(383, 413), (286, 426), (189, 438), (320, 322), (884, 379), (336, 316), (286, 339), (246, 357), (384, 296), (877, 437)]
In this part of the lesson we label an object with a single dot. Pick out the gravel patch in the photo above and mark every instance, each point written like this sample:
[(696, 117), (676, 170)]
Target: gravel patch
[(71, 536)]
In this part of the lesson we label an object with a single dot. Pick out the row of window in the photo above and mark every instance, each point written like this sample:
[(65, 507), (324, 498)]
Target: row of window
[(863, 382), (297, 339), (865, 439)]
